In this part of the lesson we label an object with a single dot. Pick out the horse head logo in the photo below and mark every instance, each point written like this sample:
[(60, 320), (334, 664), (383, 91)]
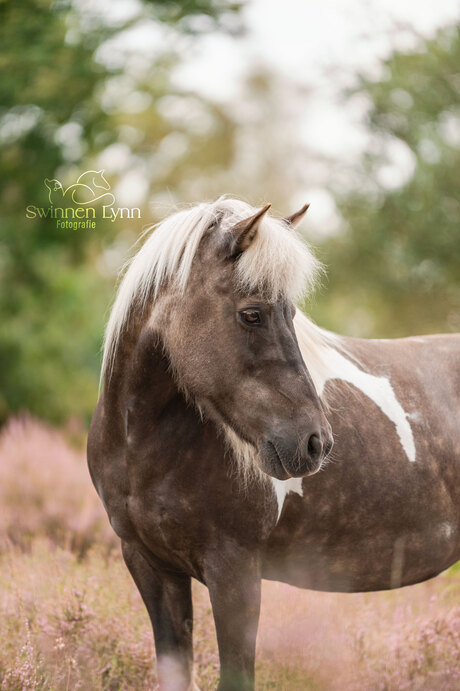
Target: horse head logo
[(53, 186), (91, 187)]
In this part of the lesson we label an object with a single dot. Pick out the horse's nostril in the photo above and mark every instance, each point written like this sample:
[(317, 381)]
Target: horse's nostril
[(328, 447), (314, 447)]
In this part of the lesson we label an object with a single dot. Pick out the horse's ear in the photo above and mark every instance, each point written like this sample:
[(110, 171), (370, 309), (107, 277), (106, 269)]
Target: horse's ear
[(295, 219), (244, 232)]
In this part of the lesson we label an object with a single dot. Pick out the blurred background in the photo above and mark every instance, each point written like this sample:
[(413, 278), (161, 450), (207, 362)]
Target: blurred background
[(352, 105)]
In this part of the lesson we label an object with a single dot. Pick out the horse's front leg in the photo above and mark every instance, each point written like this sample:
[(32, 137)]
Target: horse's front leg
[(168, 599), (233, 580)]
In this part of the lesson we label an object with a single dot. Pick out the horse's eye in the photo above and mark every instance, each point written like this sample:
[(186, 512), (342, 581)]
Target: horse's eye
[(251, 317)]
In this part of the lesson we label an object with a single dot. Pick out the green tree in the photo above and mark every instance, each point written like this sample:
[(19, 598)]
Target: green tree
[(395, 268), (56, 117)]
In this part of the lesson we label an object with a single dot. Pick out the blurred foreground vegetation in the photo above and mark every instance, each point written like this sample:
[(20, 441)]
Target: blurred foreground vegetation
[(71, 617), (76, 95)]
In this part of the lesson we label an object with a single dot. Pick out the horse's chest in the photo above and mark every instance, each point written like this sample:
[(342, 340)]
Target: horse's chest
[(166, 523), (143, 508)]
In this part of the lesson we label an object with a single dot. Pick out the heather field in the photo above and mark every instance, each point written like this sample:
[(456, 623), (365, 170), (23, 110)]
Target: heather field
[(70, 617)]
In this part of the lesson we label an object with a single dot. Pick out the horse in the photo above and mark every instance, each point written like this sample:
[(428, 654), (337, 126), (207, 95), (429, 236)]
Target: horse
[(87, 190), (219, 405)]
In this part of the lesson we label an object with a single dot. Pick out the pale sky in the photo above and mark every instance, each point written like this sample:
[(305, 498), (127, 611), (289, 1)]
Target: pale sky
[(320, 45), (303, 40), (300, 38)]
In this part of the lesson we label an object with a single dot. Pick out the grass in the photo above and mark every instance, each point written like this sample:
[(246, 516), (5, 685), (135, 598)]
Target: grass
[(71, 618)]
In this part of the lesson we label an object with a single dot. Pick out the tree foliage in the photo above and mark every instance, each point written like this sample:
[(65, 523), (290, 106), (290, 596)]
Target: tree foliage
[(70, 97), (395, 269), (55, 119)]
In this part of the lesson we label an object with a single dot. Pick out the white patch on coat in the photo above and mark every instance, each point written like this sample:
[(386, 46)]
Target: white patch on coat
[(446, 529), (172, 675), (378, 389), (283, 487)]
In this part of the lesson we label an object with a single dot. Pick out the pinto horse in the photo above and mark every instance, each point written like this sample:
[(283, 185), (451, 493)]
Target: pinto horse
[(220, 404)]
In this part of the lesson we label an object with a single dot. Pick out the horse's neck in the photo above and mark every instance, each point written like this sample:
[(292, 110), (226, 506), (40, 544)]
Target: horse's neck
[(146, 412), (141, 377)]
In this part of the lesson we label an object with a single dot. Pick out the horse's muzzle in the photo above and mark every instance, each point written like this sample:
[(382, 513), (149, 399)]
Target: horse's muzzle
[(282, 458)]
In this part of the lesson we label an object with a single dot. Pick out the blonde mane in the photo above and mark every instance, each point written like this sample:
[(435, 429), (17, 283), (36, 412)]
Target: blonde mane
[(277, 263)]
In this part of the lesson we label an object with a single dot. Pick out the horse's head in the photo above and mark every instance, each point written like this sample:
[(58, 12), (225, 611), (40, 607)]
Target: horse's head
[(99, 180), (53, 185), (228, 330)]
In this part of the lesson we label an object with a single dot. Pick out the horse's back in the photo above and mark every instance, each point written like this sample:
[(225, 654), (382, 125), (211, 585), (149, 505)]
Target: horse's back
[(423, 371)]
